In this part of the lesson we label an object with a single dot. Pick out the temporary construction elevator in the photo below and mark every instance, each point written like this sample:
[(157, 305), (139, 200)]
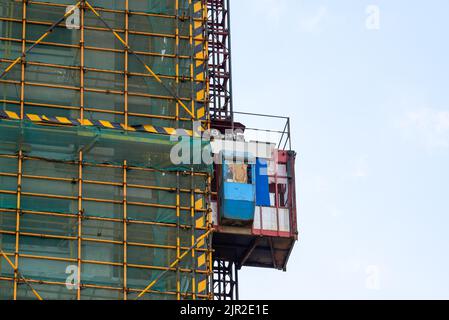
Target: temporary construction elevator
[(253, 198), (91, 206), (95, 96)]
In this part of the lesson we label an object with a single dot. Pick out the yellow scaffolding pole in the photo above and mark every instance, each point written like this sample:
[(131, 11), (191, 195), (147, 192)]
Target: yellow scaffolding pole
[(16, 270), (178, 207), (175, 263), (128, 48), (49, 30)]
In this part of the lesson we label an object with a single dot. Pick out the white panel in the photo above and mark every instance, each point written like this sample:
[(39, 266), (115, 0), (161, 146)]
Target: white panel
[(282, 170), (256, 224), (271, 167), (269, 220), (272, 199), (213, 206), (282, 180), (284, 220)]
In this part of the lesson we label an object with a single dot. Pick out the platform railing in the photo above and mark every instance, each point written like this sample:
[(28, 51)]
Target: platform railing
[(279, 132)]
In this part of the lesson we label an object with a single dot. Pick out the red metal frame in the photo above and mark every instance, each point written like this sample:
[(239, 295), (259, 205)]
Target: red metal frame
[(219, 70), (282, 158)]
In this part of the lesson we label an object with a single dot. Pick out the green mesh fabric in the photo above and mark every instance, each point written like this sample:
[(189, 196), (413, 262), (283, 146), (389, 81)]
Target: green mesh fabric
[(53, 75), (49, 205), (46, 206), (98, 145)]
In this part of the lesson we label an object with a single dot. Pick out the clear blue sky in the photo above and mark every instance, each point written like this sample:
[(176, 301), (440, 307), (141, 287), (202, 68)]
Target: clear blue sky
[(370, 114)]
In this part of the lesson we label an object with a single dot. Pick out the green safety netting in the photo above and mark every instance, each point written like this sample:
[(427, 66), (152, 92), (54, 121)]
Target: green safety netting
[(53, 151), (53, 73), (104, 146), (52, 88)]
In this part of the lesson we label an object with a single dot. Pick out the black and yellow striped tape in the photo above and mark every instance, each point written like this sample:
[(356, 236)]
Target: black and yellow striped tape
[(202, 260), (96, 123)]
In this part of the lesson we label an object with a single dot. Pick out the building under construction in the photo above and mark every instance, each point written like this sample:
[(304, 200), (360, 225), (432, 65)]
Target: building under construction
[(95, 96)]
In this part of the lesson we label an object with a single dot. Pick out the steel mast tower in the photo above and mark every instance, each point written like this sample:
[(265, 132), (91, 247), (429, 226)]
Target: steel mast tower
[(220, 68), (268, 239)]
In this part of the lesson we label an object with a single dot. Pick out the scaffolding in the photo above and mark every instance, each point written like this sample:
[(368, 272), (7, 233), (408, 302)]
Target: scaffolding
[(220, 67), (129, 61), (91, 205)]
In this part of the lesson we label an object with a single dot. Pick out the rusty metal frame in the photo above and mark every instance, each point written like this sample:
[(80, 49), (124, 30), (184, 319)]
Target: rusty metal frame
[(220, 64)]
